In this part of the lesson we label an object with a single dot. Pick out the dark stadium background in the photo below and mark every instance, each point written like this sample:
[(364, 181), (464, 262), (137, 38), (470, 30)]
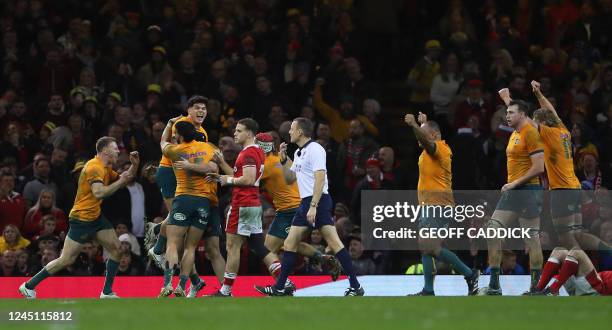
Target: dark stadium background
[(73, 71)]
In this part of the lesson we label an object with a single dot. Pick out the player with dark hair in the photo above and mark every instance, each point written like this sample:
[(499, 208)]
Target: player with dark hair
[(286, 201), (166, 180), (191, 214), (521, 197), (309, 170), (96, 182), (435, 188), (244, 218)]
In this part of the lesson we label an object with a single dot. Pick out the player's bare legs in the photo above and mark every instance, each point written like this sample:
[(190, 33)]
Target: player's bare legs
[(499, 219), (176, 237), (233, 245), (213, 254), (574, 262), (68, 256), (108, 239), (192, 237), (536, 259)]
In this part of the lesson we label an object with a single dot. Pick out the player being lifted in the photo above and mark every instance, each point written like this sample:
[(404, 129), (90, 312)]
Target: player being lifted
[(521, 197), (308, 168), (166, 180), (244, 218), (435, 188), (574, 270), (96, 182), (191, 214), (286, 201)]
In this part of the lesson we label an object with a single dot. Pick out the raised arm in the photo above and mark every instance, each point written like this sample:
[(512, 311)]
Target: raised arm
[(504, 94), (287, 163), (425, 139), (544, 102)]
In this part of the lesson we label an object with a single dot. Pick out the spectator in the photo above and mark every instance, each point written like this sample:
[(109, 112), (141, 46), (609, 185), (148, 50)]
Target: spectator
[(11, 239), (509, 265), (126, 236), (137, 206), (390, 167), (33, 223), (125, 266), (362, 264), (41, 180), (9, 264), (323, 135), (339, 121), (13, 206), (474, 105), (59, 166), (421, 76), (374, 180), (23, 263), (56, 112), (444, 88), (352, 155), (589, 170), (152, 196), (316, 240), (153, 71)]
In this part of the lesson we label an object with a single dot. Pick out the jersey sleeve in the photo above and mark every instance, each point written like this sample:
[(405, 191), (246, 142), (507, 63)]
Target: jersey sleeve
[(533, 142), (114, 176), (171, 151), (94, 174), (319, 159), (249, 159)]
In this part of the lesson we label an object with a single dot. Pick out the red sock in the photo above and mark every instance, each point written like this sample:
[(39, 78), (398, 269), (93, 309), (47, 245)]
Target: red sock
[(569, 268), (275, 269), (229, 278), (594, 281), (551, 267)]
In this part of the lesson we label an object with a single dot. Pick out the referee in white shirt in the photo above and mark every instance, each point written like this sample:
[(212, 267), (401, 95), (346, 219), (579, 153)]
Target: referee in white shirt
[(315, 211)]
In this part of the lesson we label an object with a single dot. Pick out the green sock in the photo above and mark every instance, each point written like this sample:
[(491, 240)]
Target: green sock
[(157, 229), (318, 257), (160, 245), (494, 279), (452, 259), (604, 249), (428, 272), (33, 282), (111, 271), (183, 280), (535, 278), (168, 272), (195, 278)]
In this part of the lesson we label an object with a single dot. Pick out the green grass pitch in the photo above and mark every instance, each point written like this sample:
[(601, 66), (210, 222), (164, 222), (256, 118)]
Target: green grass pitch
[(379, 313)]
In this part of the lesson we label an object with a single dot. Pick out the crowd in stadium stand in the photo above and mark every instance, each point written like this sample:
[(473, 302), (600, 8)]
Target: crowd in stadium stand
[(73, 71)]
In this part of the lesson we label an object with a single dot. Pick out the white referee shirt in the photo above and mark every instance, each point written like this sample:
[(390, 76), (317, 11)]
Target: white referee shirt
[(306, 161)]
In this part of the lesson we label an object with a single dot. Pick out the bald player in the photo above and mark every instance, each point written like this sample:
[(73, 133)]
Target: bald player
[(521, 197), (435, 188)]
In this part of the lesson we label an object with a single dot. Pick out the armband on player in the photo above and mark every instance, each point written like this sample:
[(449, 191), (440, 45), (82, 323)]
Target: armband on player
[(230, 180)]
